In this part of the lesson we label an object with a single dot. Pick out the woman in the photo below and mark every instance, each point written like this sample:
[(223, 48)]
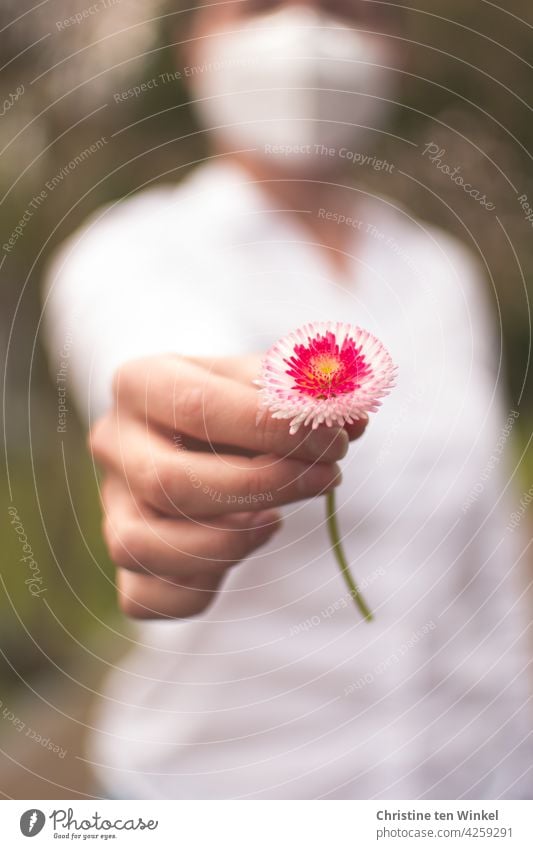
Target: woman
[(260, 680)]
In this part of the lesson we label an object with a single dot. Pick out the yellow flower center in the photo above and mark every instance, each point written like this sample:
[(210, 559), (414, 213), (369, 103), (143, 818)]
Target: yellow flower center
[(325, 365)]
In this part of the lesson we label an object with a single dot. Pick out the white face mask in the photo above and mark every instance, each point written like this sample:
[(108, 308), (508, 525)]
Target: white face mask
[(291, 80)]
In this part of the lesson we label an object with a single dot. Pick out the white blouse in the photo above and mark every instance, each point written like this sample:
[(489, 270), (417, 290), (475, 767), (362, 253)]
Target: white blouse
[(279, 690)]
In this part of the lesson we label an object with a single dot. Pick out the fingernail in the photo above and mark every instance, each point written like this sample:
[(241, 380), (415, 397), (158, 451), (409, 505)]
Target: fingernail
[(319, 478), (328, 444)]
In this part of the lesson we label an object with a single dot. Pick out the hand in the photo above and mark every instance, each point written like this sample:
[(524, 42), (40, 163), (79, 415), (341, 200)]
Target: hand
[(191, 483)]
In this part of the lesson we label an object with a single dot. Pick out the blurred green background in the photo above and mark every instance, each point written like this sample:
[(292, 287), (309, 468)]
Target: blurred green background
[(467, 87)]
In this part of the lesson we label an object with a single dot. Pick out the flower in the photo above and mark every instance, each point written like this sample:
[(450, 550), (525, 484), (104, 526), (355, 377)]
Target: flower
[(325, 373), (332, 373)]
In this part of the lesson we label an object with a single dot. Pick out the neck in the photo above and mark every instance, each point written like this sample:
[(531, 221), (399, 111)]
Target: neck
[(316, 200)]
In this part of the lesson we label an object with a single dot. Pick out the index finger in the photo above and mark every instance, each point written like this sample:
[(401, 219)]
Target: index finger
[(182, 397)]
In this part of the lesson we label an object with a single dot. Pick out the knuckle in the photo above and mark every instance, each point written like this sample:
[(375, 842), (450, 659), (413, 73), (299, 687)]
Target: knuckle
[(266, 430), (131, 598), (164, 477), (124, 544), (254, 481), (96, 438), (158, 483), (106, 494), (273, 437), (139, 609), (121, 380), (184, 478), (191, 401), (127, 376), (130, 608), (143, 598)]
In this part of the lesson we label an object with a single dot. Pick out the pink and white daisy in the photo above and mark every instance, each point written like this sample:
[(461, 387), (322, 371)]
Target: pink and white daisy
[(325, 373)]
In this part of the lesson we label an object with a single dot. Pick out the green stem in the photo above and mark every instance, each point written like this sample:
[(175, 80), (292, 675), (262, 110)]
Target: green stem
[(334, 535)]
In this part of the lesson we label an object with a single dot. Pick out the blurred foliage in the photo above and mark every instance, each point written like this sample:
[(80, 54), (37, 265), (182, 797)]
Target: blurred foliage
[(466, 87)]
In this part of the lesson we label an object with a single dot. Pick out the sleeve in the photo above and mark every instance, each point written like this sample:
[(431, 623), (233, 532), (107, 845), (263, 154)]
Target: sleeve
[(96, 307), (488, 611), (462, 340), (473, 576), (460, 479)]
